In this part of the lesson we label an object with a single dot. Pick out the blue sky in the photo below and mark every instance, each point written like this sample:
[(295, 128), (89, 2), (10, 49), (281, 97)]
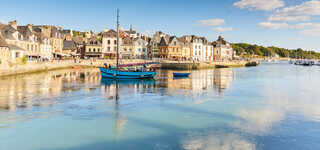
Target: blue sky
[(263, 22)]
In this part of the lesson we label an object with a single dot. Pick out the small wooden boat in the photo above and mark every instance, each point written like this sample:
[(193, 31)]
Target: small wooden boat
[(119, 74), (179, 75)]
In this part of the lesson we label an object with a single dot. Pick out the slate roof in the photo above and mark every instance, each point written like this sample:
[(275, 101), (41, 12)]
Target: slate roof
[(7, 31), (110, 33), (69, 45)]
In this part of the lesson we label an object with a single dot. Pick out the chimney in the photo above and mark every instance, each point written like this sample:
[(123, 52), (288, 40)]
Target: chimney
[(30, 27), (13, 24)]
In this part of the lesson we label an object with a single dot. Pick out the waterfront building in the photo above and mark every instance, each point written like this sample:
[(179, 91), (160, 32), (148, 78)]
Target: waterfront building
[(46, 50), (222, 49), (55, 35), (140, 48), (93, 48), (170, 48), (109, 43), (197, 48), (22, 40), (4, 51), (80, 43), (127, 48), (29, 41), (67, 34), (208, 52), (186, 47), (153, 45), (69, 49), (16, 52)]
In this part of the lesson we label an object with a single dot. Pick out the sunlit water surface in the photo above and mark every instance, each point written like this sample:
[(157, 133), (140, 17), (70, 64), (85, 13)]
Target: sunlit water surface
[(269, 107)]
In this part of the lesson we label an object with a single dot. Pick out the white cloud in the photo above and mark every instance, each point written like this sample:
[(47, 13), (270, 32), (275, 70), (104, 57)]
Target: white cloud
[(273, 26), (217, 141), (265, 5), (311, 32), (222, 29), (302, 12), (211, 22)]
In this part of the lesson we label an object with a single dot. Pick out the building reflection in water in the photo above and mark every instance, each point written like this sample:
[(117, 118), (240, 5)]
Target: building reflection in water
[(199, 82), (25, 91), (45, 89)]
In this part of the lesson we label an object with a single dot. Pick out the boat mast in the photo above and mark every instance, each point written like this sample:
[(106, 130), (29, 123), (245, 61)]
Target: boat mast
[(118, 43)]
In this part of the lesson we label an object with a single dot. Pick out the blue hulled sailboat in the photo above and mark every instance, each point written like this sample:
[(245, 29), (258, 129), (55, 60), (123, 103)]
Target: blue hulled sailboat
[(118, 73)]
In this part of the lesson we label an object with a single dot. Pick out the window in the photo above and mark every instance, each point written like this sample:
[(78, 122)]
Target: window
[(89, 49), (98, 49), (115, 41), (108, 41), (115, 48), (17, 54), (94, 50), (108, 49)]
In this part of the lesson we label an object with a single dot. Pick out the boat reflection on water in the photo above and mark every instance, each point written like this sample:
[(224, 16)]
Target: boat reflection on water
[(112, 90)]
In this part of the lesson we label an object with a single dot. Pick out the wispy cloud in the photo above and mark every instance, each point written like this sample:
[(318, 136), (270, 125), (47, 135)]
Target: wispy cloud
[(302, 12), (222, 29), (306, 28), (211, 22), (265, 5), (273, 26)]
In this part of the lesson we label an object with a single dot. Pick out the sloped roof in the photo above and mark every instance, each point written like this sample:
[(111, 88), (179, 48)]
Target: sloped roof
[(7, 31), (110, 33), (15, 47), (68, 45), (94, 41), (78, 40)]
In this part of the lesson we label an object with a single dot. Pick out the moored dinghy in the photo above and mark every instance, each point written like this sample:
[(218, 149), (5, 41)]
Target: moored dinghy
[(179, 75)]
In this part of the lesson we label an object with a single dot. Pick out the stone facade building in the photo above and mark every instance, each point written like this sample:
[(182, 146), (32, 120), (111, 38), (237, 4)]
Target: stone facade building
[(222, 49), (127, 48), (170, 48), (4, 51), (93, 48), (109, 43)]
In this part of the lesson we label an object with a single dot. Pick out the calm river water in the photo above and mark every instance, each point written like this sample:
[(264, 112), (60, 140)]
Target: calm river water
[(269, 107)]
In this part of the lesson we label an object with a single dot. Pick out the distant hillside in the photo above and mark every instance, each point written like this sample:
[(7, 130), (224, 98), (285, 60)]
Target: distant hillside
[(248, 50)]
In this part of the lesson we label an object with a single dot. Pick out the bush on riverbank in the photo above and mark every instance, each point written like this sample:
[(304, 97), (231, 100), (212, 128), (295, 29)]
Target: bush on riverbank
[(248, 50)]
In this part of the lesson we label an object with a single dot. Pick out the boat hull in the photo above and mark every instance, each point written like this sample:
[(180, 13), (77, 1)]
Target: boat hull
[(117, 74), (177, 75)]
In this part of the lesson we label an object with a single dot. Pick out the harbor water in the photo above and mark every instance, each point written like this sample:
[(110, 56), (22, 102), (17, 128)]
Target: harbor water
[(274, 106)]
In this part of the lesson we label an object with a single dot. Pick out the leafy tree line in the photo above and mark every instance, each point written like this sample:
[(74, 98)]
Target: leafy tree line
[(248, 50)]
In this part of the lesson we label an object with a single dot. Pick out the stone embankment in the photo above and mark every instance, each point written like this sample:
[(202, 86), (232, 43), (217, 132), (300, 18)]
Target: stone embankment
[(32, 67), (203, 65)]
